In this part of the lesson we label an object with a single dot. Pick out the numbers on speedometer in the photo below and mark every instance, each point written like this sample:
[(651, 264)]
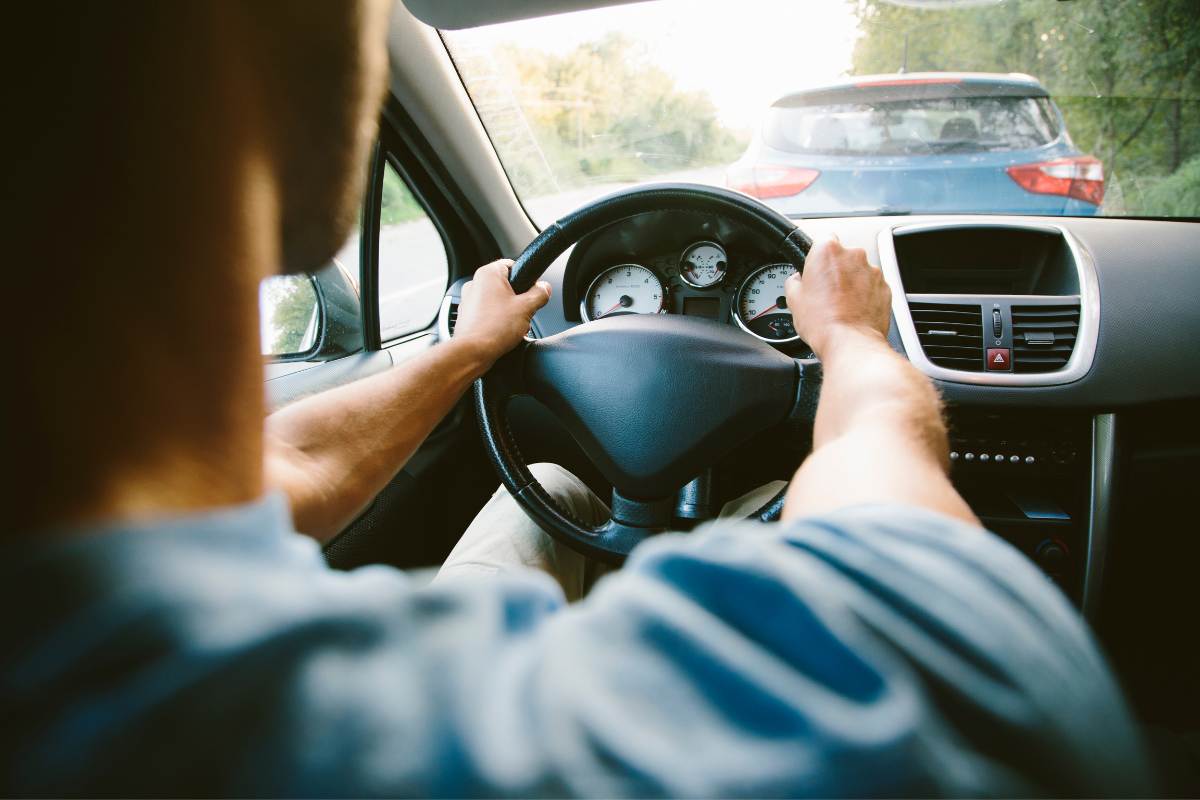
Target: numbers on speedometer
[(761, 309), (623, 289)]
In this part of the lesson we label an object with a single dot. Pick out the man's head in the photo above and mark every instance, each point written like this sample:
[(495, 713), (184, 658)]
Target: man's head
[(323, 66), (161, 158)]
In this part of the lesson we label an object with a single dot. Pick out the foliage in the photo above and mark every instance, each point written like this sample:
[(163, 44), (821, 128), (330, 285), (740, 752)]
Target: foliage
[(397, 204), (1126, 73), (1176, 196), (600, 112), (288, 302)]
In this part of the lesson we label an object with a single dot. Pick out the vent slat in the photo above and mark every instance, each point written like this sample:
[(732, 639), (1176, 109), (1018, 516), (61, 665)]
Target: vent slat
[(1048, 325), (957, 327), (953, 352), (452, 318), (1041, 313), (950, 334), (1059, 322)]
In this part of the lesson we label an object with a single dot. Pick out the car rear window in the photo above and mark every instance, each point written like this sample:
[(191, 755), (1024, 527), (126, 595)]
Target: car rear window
[(913, 127)]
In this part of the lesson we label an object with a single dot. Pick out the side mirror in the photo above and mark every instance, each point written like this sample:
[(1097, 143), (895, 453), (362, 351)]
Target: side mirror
[(313, 317), (289, 316)]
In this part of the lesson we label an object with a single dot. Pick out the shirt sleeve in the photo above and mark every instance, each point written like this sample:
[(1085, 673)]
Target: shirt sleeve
[(881, 651)]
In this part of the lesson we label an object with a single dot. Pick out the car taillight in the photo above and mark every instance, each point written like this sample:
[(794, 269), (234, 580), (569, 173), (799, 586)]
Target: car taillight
[(765, 182), (1081, 177)]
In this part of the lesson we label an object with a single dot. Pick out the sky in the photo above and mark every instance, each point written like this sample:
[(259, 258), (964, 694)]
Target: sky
[(744, 54)]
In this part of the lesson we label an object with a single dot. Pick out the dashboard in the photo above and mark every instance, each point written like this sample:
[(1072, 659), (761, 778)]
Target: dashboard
[(1139, 286)]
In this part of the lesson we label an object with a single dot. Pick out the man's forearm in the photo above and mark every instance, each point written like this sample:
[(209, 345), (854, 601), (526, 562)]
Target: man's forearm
[(333, 452), (879, 435), (867, 384)]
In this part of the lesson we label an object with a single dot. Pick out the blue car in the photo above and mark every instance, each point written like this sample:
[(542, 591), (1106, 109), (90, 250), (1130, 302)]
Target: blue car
[(920, 143)]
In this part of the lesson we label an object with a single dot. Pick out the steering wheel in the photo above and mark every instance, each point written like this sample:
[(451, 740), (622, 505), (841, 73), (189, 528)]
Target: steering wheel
[(588, 374)]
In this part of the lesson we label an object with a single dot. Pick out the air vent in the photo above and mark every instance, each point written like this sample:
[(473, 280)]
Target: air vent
[(950, 334), (1043, 337), (452, 317)]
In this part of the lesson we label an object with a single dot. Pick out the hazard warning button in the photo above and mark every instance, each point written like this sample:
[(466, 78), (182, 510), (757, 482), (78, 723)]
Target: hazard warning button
[(999, 358)]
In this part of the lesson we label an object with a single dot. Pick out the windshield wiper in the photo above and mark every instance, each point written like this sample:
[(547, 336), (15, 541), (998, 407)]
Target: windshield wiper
[(951, 145)]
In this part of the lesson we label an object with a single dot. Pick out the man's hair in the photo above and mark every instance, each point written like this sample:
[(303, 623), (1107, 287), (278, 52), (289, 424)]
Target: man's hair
[(101, 89)]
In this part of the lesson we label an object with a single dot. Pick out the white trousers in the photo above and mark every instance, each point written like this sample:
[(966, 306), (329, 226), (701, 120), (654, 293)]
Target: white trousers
[(502, 537)]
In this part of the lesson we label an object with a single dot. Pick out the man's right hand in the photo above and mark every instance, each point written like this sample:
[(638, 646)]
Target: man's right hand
[(839, 291), (491, 315)]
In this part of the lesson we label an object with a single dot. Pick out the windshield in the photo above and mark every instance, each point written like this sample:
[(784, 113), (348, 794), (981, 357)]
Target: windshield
[(829, 107)]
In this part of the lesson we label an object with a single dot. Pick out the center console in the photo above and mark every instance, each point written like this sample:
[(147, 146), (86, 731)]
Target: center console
[(1029, 476), (991, 302)]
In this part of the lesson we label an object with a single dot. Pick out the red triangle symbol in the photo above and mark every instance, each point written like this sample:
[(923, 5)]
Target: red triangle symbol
[(999, 359)]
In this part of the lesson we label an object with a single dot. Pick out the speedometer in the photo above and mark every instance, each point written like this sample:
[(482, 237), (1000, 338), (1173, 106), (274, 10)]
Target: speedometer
[(623, 289), (761, 305)]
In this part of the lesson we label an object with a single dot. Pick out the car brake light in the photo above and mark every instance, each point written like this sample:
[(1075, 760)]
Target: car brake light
[(765, 182), (1081, 177)]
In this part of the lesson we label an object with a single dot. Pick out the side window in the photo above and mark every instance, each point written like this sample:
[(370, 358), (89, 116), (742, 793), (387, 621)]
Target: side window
[(413, 267)]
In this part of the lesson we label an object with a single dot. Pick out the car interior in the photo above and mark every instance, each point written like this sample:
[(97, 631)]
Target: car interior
[(1064, 347)]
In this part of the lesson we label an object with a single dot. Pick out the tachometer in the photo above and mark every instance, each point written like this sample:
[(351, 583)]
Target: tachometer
[(623, 289), (761, 305), (703, 264)]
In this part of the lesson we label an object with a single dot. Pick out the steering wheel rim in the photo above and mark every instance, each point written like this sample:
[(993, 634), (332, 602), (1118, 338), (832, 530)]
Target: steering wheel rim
[(634, 519)]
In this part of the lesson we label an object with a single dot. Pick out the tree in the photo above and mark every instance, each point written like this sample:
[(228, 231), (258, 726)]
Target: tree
[(602, 111)]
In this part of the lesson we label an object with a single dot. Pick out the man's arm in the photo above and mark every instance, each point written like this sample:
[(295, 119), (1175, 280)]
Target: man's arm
[(879, 435), (333, 452)]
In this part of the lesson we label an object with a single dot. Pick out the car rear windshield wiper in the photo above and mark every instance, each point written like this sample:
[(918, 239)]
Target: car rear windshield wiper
[(966, 145)]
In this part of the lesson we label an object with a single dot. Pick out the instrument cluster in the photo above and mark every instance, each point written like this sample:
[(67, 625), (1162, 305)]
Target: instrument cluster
[(702, 280)]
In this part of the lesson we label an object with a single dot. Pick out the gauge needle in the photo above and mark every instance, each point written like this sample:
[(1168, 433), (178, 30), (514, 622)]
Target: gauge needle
[(764, 311), (625, 302)]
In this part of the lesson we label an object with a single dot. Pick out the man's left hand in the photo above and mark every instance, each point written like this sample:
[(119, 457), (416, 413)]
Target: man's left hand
[(493, 316)]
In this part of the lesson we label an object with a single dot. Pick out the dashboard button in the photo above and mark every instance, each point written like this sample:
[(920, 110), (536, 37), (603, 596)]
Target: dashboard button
[(999, 359), (968, 457)]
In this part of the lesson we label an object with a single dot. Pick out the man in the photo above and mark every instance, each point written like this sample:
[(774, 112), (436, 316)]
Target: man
[(167, 632)]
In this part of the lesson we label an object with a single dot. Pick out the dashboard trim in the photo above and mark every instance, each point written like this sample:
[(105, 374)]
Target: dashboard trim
[(1099, 510), (1082, 356), (443, 318)]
